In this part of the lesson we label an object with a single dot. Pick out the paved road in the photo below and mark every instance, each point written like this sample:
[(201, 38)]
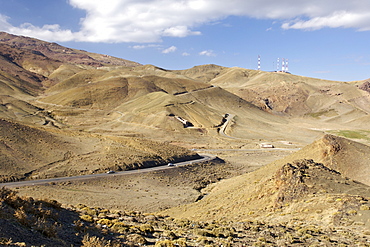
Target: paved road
[(226, 123), (205, 157), (247, 150)]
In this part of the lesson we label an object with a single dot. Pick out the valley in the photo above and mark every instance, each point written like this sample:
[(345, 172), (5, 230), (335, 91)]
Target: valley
[(282, 151)]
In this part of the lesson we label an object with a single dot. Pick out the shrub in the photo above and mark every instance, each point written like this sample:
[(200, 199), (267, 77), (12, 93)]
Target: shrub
[(89, 211), (202, 232), (87, 218), (45, 228), (223, 232), (106, 222), (165, 243), (97, 242), (52, 203), (146, 228), (181, 242), (22, 217), (170, 234), (136, 239), (120, 227)]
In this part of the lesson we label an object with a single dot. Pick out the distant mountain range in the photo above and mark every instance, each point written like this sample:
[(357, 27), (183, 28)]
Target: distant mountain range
[(66, 112)]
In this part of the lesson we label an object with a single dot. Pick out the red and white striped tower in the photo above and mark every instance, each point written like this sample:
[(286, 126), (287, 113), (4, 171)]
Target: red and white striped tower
[(283, 65), (286, 66), (259, 63)]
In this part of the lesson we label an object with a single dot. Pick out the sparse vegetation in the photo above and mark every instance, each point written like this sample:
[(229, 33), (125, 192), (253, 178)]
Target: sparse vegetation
[(66, 112), (359, 134)]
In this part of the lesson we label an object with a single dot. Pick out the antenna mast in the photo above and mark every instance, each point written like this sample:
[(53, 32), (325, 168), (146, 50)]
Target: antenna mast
[(286, 66)]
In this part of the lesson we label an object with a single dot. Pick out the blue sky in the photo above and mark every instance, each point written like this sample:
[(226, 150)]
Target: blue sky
[(325, 39)]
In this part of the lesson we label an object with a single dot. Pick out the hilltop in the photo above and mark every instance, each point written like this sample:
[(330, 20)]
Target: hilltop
[(301, 191), (291, 167)]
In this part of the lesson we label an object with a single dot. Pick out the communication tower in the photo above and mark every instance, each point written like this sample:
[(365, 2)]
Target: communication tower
[(286, 66), (259, 63)]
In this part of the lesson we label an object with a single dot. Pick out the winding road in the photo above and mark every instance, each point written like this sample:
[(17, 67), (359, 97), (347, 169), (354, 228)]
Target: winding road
[(226, 123), (205, 157)]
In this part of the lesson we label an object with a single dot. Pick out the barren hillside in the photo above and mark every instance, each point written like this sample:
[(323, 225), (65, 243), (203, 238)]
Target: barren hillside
[(348, 157), (67, 112), (286, 94), (302, 189)]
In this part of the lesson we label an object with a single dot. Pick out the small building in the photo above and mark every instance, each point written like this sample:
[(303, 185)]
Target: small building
[(266, 145)]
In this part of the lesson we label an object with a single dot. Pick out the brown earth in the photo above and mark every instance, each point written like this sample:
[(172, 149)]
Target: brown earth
[(65, 112), (29, 222)]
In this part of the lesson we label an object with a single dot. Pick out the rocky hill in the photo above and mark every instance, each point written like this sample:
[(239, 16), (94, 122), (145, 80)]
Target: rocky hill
[(30, 222), (60, 53), (66, 112), (348, 157), (287, 94), (299, 192)]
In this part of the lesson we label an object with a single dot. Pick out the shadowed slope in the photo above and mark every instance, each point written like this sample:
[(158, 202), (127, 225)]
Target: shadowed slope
[(63, 54)]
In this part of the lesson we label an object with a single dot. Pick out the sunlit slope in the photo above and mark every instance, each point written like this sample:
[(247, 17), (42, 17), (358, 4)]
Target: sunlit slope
[(24, 112), (24, 149), (108, 88), (63, 54), (290, 95), (159, 109), (346, 156), (301, 188), (29, 152)]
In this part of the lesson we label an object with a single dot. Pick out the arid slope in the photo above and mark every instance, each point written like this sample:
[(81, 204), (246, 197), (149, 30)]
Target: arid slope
[(301, 189)]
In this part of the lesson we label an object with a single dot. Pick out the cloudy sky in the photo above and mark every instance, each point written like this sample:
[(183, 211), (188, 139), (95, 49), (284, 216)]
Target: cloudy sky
[(326, 39)]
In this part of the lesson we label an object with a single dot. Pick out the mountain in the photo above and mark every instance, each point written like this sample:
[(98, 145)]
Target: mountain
[(301, 190), (60, 53), (290, 95), (52, 88), (348, 157), (66, 112), (30, 153)]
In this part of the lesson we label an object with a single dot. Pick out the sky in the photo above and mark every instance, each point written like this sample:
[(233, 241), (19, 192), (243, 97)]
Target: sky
[(326, 39)]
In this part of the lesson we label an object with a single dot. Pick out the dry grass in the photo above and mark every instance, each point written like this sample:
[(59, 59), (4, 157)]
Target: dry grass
[(122, 116)]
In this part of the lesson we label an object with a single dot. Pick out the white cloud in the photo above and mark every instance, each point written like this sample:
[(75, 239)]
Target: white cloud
[(179, 31), (337, 19), (185, 54), (4, 25), (147, 21), (46, 32), (208, 53), (139, 47), (170, 49)]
